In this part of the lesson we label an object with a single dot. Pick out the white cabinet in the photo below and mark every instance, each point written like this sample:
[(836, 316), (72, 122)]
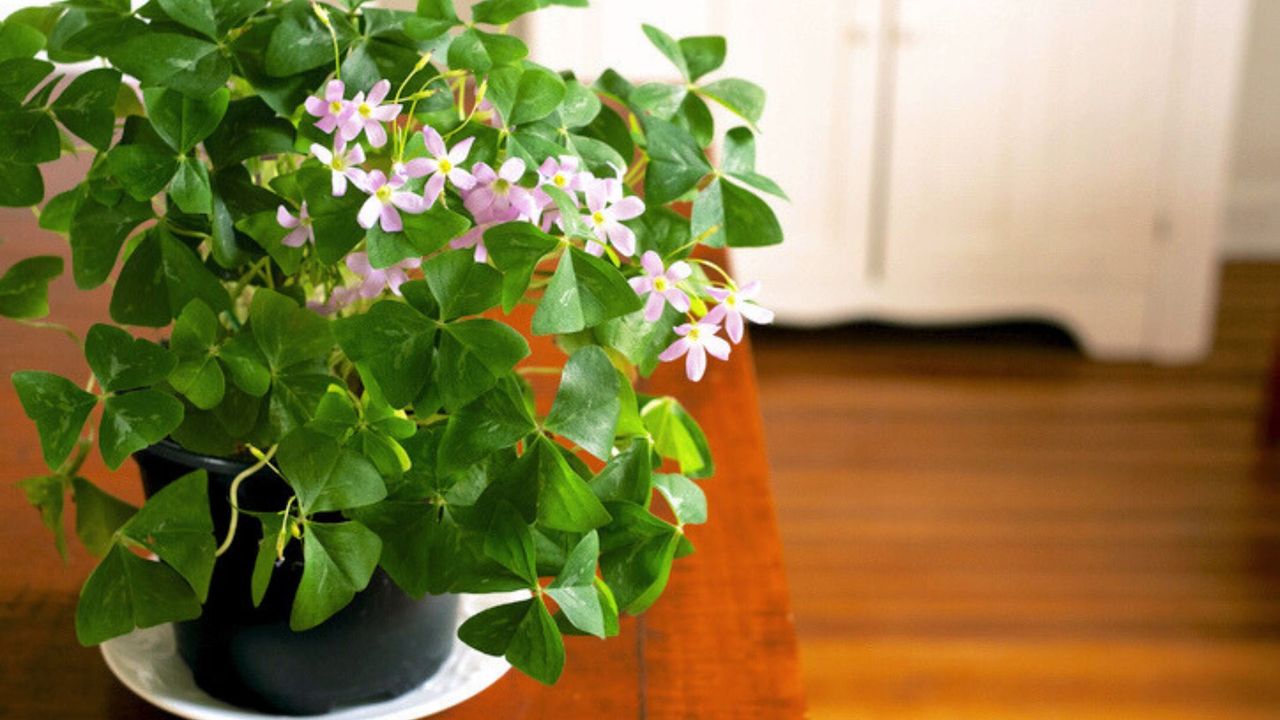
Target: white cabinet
[(961, 160)]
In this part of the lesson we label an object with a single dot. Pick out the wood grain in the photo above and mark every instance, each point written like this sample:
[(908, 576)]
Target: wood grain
[(720, 644), (982, 524)]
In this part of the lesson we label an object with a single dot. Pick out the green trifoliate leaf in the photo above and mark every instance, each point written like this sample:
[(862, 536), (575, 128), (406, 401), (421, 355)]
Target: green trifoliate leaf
[(493, 421), (516, 249), (125, 592), (501, 12), (191, 66), (688, 502), (86, 107), (394, 342), (676, 162), (136, 420), (23, 185), (627, 477), (18, 40), (695, 116), (30, 134), (524, 633), (286, 333), (639, 340), (677, 436), (742, 98), (325, 475), (586, 405), (123, 362), (418, 544), (301, 42), (48, 494), (462, 285), (523, 95), (702, 54), (295, 393), (198, 375), (584, 292), (143, 169), (245, 364), (726, 214), (97, 233), (98, 516), (659, 99), (574, 588), (176, 526), (473, 355), (510, 544), (565, 501), (571, 218), (629, 422), (480, 51), (637, 550), (339, 561), (184, 121), (740, 161), (19, 76), (211, 17), (669, 47), (24, 287), (59, 409), (580, 105)]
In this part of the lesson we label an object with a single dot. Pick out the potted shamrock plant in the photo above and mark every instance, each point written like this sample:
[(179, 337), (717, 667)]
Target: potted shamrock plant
[(341, 223)]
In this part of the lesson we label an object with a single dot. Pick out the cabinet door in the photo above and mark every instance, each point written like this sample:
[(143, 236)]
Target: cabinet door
[(1026, 147)]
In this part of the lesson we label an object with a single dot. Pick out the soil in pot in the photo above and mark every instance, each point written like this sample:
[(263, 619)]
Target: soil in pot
[(381, 645)]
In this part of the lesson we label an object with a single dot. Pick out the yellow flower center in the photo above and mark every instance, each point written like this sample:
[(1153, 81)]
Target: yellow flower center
[(560, 180), (694, 332), (338, 163), (335, 107), (364, 110), (597, 217), (384, 194), (660, 284), (501, 186), (446, 167), (731, 301)]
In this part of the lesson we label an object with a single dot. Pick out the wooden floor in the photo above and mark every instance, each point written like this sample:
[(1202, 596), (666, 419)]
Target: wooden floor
[(993, 526)]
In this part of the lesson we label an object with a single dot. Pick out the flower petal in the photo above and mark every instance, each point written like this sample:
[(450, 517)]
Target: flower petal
[(335, 90), (369, 212), (338, 184), (755, 313), (622, 237), (733, 326), (316, 107), (674, 350), (376, 134), (391, 219), (460, 151), (296, 238), (628, 207), (641, 285), (716, 346), (653, 307), (678, 299), (433, 141), (461, 179), (678, 271), (695, 363), (379, 92), (512, 170), (285, 219)]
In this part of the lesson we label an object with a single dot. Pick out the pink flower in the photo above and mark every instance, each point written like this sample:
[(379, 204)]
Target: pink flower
[(495, 193), (341, 161), (367, 115), (736, 305), (696, 340), (338, 299), (385, 196), (475, 236), (608, 209), (300, 226), (660, 283), (332, 109), (375, 280), (444, 163), (562, 173)]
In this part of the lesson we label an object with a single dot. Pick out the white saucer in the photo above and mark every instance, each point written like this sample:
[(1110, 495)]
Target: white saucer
[(147, 662)]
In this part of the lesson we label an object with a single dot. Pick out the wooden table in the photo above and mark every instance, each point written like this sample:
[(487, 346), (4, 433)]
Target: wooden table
[(720, 643)]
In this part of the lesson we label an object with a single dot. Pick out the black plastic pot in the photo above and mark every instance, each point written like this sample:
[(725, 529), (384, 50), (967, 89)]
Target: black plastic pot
[(381, 645)]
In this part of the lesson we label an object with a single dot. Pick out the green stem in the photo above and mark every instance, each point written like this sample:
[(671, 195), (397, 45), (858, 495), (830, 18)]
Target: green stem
[(263, 461), (41, 324)]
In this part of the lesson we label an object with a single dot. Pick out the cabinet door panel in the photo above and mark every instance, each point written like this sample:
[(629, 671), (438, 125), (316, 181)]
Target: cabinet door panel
[(1027, 139)]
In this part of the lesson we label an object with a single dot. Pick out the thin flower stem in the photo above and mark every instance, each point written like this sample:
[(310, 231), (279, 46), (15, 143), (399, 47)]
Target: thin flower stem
[(263, 461), (44, 325), (282, 538), (717, 268), (539, 370)]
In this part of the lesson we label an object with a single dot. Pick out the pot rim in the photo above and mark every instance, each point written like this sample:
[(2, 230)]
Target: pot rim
[(170, 450)]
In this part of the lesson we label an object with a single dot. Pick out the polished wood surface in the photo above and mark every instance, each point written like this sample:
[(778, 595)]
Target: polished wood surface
[(987, 525), (720, 643)]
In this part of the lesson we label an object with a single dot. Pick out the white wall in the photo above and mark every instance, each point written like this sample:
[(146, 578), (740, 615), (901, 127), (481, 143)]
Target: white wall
[(1253, 206)]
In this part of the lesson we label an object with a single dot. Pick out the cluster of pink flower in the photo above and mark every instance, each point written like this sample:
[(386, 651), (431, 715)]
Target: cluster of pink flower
[(494, 197)]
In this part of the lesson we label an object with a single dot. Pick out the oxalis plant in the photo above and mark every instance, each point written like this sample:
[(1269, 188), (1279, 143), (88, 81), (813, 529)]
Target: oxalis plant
[(332, 214)]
